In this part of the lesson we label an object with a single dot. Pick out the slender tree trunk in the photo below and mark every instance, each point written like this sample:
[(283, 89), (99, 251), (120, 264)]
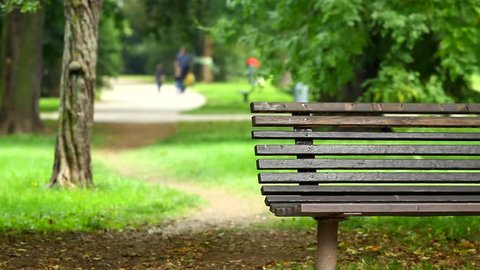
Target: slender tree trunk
[(21, 72), (207, 53), (72, 166)]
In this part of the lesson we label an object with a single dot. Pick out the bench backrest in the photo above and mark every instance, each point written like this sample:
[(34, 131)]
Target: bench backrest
[(364, 159)]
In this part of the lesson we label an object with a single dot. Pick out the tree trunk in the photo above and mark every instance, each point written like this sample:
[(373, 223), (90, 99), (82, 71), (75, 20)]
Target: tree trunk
[(207, 53), (72, 166), (21, 72)]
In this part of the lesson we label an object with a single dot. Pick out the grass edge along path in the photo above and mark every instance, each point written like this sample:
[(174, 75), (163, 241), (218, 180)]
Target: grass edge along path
[(117, 202), (226, 97)]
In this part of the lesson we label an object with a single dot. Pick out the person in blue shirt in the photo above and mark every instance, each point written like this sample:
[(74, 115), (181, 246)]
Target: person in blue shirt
[(182, 67)]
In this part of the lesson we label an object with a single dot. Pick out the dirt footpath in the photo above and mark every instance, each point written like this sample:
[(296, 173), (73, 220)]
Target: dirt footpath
[(213, 249), (241, 248)]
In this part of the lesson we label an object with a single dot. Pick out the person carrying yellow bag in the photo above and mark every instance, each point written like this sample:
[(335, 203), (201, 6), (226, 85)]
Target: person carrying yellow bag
[(189, 79)]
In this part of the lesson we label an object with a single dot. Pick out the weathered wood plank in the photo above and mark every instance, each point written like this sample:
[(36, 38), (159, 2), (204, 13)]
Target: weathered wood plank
[(355, 164), (299, 107), (378, 209), (372, 199), (364, 121), (447, 136), (352, 149), (366, 190), (286, 209), (369, 177), (391, 209)]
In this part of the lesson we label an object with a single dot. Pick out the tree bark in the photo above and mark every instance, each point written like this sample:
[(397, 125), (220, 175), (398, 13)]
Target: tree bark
[(21, 72), (207, 53), (72, 166)]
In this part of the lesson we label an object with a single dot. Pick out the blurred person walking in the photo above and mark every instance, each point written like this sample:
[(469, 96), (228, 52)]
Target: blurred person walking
[(182, 67)]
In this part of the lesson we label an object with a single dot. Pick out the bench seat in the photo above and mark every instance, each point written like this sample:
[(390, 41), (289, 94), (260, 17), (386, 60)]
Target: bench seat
[(368, 159)]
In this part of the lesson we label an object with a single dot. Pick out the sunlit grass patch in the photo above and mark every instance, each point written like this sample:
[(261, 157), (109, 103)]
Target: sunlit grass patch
[(50, 104), (227, 97), (116, 202)]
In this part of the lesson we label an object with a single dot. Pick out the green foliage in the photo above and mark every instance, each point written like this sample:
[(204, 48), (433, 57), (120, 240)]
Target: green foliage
[(181, 20), (395, 83), (23, 5), (109, 43), (405, 51), (117, 202), (141, 49), (52, 47)]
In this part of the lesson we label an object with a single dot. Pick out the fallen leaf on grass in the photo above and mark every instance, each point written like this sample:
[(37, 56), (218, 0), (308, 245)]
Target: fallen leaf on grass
[(373, 248), (391, 254), (466, 244)]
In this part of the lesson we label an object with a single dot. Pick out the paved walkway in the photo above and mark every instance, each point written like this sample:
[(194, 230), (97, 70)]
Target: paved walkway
[(133, 102)]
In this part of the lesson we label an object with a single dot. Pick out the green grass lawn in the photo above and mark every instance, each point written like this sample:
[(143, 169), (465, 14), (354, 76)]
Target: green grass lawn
[(225, 98), (116, 202), (49, 104), (202, 153)]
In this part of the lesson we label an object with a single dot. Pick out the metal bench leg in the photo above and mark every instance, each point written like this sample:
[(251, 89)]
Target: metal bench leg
[(327, 232)]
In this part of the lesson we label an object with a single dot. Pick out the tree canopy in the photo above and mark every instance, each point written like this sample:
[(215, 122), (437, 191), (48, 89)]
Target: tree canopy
[(405, 51), (23, 5)]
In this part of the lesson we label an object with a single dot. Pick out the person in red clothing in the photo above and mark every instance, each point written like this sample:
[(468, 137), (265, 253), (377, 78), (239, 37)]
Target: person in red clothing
[(252, 65), (253, 62)]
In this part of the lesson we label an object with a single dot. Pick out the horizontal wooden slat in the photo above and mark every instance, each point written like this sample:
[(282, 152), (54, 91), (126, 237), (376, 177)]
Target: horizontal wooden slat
[(295, 107), (375, 209), (369, 177), (372, 199), (391, 209), (425, 164), (365, 190), (352, 149), (447, 136), (364, 121), (286, 209)]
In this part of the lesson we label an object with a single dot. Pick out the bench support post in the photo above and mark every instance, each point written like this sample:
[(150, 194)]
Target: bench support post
[(327, 232)]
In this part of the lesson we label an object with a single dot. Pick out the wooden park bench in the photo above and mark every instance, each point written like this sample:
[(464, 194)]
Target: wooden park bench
[(346, 160)]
